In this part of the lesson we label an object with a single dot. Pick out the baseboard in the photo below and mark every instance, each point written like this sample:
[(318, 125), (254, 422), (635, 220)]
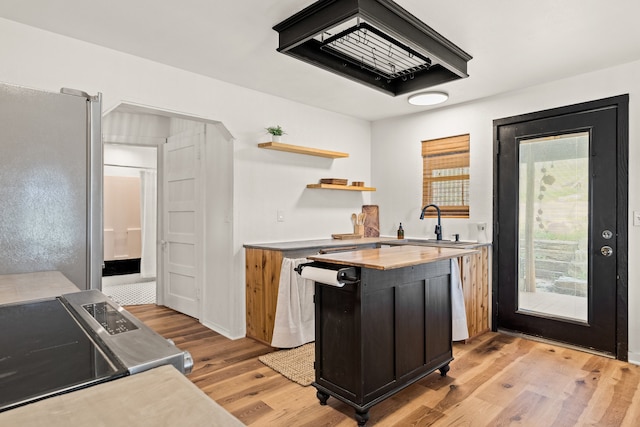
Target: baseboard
[(222, 331), (634, 358)]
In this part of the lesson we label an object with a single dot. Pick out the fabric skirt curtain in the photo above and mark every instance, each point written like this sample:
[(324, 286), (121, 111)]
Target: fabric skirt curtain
[(148, 222), (459, 330), (295, 315)]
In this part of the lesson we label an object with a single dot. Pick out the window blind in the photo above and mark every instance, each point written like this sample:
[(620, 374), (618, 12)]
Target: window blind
[(446, 175)]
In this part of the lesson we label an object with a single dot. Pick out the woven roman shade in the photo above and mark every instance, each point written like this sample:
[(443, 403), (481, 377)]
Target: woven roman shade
[(446, 176)]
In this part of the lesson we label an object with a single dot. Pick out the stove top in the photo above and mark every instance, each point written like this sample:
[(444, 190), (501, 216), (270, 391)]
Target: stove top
[(53, 346), (44, 351)]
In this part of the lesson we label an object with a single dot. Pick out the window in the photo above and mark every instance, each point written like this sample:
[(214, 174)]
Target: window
[(445, 177)]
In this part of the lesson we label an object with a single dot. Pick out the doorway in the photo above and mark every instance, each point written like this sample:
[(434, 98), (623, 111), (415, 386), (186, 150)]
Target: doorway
[(130, 222), (200, 272), (560, 231)]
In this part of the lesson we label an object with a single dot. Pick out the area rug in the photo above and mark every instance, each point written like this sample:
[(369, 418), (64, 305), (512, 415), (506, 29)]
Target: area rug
[(295, 364)]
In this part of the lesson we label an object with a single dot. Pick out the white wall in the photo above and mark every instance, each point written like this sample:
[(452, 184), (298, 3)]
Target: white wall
[(264, 181), (397, 162), (131, 158), (220, 264)]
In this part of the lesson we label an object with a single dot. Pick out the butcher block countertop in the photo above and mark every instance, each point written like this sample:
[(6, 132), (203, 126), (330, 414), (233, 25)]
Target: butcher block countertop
[(33, 286), (154, 398), (389, 258)]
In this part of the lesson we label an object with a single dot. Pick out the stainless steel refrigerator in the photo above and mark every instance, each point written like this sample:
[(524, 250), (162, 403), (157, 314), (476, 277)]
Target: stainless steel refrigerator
[(51, 183)]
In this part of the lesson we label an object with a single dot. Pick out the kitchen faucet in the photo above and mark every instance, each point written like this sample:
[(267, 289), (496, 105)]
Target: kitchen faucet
[(438, 229)]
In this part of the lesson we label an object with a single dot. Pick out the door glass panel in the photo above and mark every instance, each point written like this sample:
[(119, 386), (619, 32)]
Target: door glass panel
[(553, 227)]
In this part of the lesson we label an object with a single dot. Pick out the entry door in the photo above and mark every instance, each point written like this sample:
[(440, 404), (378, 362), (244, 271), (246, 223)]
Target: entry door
[(182, 222), (557, 227)]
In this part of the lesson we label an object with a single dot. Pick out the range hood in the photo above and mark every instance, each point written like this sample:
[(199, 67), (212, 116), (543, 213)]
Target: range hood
[(373, 42)]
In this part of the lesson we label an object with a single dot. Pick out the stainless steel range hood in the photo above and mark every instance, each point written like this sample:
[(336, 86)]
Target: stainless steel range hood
[(374, 42)]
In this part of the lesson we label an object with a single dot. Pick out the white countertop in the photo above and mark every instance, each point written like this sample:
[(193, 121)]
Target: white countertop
[(310, 244), (155, 398), (336, 243), (34, 286)]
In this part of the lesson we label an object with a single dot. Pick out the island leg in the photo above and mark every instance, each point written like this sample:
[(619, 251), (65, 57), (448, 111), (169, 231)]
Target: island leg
[(444, 370), (322, 397), (362, 416)]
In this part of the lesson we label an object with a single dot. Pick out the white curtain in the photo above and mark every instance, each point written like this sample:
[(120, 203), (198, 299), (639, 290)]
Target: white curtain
[(148, 221), (295, 316)]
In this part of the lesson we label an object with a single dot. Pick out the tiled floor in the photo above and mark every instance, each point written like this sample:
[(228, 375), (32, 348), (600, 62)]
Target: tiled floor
[(131, 293)]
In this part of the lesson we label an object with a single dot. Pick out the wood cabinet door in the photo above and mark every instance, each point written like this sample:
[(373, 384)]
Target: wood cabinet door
[(376, 337)]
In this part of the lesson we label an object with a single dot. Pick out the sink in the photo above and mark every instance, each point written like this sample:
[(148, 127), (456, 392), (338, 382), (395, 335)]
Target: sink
[(430, 242)]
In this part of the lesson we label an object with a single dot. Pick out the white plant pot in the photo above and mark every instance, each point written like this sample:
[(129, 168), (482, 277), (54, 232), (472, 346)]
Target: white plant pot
[(276, 138)]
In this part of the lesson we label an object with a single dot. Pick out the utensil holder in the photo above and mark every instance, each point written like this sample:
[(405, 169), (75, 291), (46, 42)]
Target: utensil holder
[(358, 229)]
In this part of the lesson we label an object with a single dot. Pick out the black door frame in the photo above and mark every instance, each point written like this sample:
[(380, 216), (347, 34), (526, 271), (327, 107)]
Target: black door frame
[(621, 103)]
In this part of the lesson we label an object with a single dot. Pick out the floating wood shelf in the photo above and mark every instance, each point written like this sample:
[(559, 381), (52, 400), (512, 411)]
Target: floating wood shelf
[(340, 187), (303, 150)]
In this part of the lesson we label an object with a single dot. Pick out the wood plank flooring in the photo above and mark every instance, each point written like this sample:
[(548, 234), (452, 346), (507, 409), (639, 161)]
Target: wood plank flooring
[(495, 380)]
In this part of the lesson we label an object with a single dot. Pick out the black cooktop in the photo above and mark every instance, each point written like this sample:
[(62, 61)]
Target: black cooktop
[(43, 352)]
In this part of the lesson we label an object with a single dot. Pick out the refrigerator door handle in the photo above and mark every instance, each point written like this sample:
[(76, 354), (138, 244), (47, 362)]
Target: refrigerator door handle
[(75, 92)]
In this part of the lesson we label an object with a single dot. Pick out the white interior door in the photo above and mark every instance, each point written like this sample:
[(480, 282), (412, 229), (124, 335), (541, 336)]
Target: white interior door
[(183, 222)]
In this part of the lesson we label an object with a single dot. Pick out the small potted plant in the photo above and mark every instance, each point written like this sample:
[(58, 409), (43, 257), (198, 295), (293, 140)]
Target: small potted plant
[(276, 133)]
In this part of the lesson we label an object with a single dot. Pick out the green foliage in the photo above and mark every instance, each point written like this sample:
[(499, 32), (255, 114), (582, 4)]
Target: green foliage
[(579, 234), (275, 130)]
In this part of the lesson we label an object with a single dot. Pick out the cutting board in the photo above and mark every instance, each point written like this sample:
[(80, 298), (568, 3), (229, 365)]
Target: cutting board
[(346, 236), (371, 221)]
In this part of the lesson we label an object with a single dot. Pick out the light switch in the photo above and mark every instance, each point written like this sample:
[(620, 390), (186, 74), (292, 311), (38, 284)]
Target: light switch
[(636, 218)]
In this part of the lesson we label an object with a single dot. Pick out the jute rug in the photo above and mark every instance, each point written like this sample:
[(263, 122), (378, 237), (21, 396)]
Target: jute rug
[(295, 364)]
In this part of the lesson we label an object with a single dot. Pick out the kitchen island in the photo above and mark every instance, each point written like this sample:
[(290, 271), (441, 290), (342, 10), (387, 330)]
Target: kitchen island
[(387, 327), (264, 261)]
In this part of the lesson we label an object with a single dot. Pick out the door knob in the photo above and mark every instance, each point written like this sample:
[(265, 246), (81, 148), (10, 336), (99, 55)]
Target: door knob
[(607, 234), (606, 250)]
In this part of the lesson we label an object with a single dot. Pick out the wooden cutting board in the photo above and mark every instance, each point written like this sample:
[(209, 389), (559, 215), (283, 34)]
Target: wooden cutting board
[(346, 236), (371, 221)]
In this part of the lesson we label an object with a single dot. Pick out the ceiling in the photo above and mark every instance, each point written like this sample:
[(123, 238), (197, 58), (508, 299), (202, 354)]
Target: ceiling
[(514, 44)]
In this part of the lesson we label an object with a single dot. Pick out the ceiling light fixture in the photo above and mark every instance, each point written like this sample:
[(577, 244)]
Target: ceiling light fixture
[(374, 42), (428, 98)]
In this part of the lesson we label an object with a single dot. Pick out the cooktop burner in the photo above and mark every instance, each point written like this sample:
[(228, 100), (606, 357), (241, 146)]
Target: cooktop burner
[(44, 351)]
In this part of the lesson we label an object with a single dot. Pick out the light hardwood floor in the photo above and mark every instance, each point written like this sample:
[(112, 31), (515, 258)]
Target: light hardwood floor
[(495, 380)]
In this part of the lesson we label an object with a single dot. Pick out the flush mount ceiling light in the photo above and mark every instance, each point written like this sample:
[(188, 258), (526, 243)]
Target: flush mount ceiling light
[(428, 98), (374, 42)]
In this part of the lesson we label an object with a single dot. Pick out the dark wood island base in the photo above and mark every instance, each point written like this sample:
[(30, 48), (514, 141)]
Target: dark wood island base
[(384, 331), (362, 412)]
